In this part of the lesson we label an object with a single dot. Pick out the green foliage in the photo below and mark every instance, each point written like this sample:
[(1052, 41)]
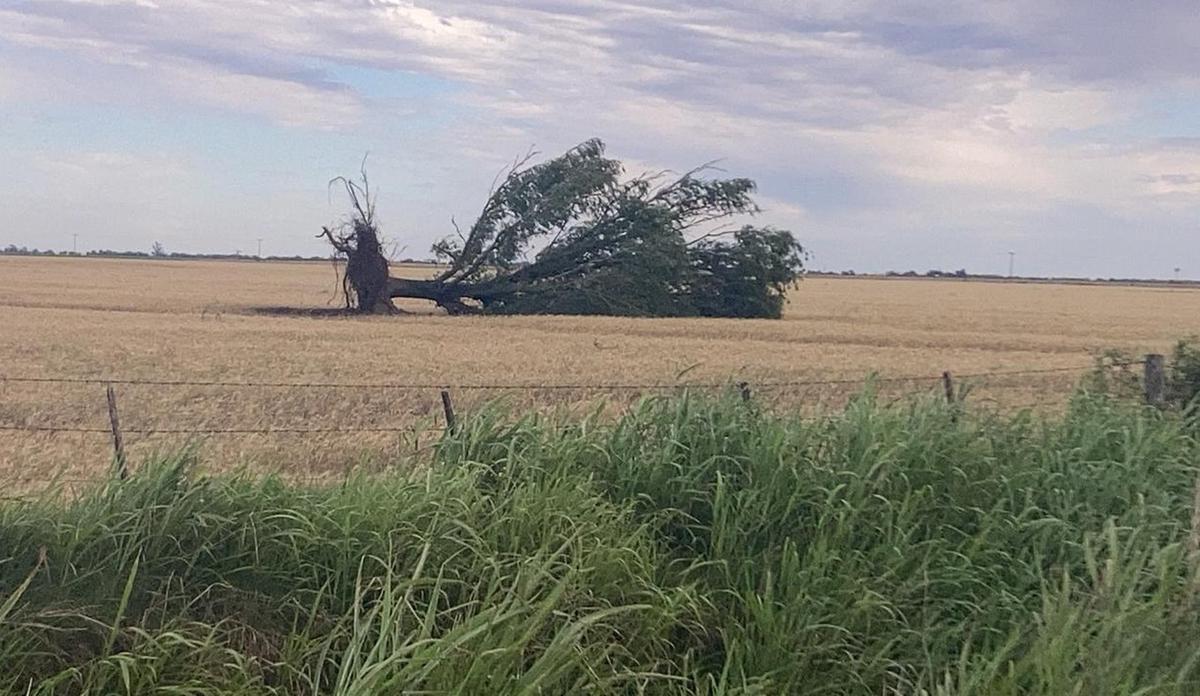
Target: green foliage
[(637, 274), (1119, 374), (748, 278), (1184, 375), (531, 203), (1116, 374), (694, 546), (568, 236)]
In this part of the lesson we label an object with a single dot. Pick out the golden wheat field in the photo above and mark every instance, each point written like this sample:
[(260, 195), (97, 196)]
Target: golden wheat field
[(202, 321)]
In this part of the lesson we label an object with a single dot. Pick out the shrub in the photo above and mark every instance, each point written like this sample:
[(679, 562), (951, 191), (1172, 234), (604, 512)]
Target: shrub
[(1184, 375)]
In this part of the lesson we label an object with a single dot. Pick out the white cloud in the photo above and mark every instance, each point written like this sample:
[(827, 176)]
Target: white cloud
[(930, 112), (285, 102), (91, 168)]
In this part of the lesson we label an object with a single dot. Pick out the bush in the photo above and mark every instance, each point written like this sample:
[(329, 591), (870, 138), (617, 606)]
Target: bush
[(1184, 375)]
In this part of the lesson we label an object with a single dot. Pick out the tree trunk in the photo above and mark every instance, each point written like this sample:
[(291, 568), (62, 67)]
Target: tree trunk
[(366, 273), (447, 296)]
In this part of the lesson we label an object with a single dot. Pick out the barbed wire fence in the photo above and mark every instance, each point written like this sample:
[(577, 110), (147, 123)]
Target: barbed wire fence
[(432, 405)]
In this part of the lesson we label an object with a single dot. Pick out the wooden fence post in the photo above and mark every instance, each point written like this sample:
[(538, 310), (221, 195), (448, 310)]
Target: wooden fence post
[(115, 424), (744, 390), (448, 409), (948, 388), (1154, 379)]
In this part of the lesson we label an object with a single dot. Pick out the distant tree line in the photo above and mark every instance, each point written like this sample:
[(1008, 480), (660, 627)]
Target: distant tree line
[(158, 252), (962, 273), (13, 250)]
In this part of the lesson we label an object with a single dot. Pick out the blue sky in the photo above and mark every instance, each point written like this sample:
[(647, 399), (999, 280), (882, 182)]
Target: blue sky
[(885, 134)]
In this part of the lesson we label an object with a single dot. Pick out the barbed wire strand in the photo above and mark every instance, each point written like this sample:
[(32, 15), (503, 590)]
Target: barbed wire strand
[(210, 431), (933, 380), (531, 387)]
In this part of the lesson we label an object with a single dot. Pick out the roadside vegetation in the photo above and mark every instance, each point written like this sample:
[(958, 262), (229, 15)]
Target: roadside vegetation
[(695, 546)]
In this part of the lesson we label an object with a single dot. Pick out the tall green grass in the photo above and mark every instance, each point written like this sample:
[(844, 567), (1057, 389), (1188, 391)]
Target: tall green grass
[(694, 546)]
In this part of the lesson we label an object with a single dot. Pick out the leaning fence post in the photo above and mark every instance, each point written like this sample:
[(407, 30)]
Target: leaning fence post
[(744, 390), (1154, 379), (948, 388), (448, 409), (115, 424)]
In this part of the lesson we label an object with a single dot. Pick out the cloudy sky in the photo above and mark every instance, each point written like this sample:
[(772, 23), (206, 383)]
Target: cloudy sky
[(886, 134)]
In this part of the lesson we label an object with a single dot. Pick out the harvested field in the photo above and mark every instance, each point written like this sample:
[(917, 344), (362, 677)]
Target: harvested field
[(204, 321)]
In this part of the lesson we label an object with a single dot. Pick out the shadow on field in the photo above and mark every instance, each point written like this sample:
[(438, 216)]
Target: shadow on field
[(326, 312), (320, 312)]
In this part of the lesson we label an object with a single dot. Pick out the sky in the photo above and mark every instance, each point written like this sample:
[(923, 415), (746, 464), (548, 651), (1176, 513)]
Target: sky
[(885, 134)]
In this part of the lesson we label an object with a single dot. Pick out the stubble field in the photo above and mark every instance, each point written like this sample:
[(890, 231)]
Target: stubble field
[(201, 321)]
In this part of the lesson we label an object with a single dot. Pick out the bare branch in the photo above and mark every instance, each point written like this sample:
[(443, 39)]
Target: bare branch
[(722, 231), (711, 165)]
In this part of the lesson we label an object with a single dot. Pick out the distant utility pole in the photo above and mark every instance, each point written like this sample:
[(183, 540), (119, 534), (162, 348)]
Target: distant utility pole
[(75, 243), (1011, 258), (260, 247), (1177, 270)]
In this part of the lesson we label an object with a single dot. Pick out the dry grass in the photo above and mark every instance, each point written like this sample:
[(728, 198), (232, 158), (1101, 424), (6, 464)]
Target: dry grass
[(195, 320)]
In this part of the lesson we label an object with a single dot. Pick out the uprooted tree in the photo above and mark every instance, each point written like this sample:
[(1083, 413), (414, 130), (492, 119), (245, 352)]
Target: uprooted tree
[(569, 236)]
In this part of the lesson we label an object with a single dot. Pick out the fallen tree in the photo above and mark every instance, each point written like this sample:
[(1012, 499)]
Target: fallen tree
[(568, 236)]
